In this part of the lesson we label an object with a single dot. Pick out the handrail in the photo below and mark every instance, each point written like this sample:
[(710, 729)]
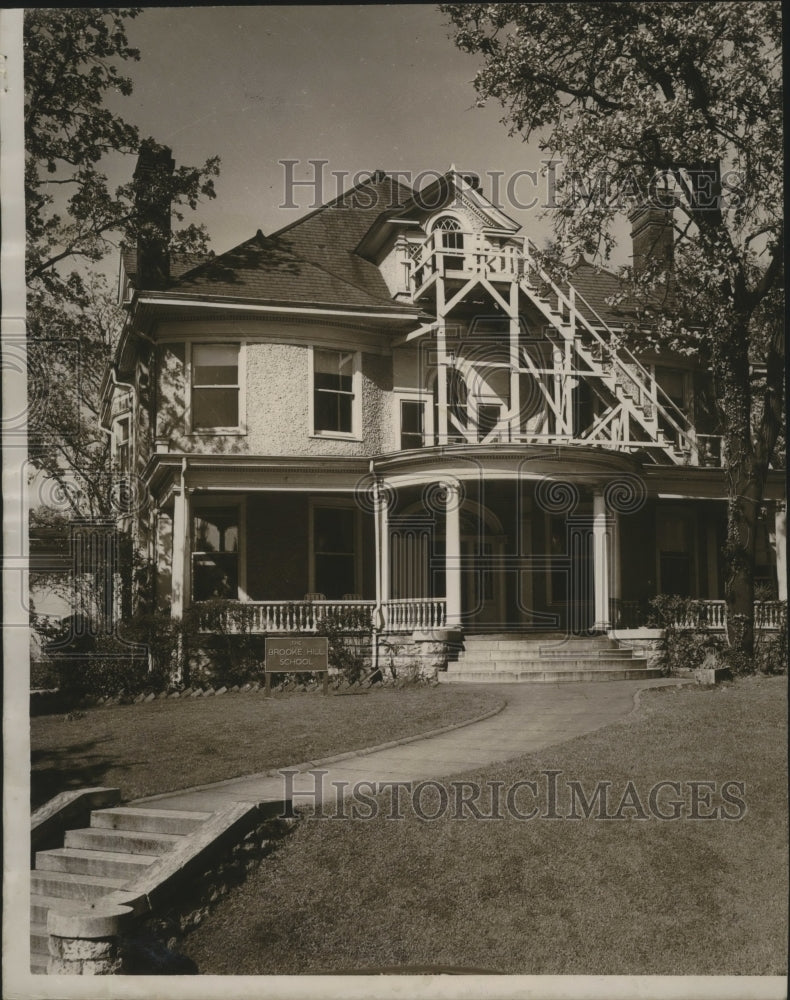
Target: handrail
[(617, 346)]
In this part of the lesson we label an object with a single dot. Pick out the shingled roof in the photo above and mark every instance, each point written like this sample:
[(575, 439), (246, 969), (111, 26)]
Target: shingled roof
[(310, 261), (180, 263), (606, 294)]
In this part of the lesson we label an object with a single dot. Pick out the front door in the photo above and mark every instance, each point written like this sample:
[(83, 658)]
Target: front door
[(483, 584)]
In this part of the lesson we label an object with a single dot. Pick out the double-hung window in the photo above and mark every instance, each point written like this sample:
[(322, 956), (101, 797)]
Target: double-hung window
[(335, 392), (123, 446), (215, 387), (215, 553)]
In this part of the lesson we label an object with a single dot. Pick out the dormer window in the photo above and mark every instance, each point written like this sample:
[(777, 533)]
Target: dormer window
[(452, 236)]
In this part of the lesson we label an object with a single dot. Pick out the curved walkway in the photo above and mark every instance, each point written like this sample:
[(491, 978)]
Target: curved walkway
[(535, 716)]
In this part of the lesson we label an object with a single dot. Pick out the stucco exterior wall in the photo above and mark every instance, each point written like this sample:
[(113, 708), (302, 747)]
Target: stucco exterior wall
[(275, 405)]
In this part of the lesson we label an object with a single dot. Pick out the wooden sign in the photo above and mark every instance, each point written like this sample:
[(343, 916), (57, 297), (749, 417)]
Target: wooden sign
[(290, 654)]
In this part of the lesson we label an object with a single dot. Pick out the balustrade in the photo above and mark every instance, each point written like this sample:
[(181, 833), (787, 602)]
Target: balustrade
[(271, 617)]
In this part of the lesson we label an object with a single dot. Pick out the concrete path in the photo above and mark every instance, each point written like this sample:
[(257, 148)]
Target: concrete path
[(536, 716)]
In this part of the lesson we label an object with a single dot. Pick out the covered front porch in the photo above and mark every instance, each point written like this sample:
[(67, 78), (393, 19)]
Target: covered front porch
[(488, 543)]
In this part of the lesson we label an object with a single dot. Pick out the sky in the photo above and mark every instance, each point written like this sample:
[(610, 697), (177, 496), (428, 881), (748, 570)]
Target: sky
[(362, 87)]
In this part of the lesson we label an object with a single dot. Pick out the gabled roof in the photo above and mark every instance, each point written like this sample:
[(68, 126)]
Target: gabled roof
[(310, 261), (436, 196)]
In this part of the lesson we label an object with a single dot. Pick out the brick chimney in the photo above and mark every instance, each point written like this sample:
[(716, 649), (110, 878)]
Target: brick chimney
[(652, 238), (155, 166)]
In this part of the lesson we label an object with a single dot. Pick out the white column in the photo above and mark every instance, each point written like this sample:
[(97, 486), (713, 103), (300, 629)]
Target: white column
[(515, 400), (180, 568), (452, 554), (780, 544), (384, 545), (601, 561)]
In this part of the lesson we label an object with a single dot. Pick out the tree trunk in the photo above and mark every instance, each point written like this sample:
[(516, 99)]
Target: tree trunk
[(745, 482), (742, 511)]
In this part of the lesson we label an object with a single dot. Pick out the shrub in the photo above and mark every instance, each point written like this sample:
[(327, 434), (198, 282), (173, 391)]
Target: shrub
[(686, 644), (223, 631), (348, 646), (770, 648)]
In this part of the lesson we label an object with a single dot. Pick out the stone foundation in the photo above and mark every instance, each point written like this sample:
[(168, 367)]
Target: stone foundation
[(417, 654), (647, 642)]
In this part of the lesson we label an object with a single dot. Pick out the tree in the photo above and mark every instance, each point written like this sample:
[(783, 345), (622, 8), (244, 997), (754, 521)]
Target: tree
[(70, 344), (74, 219), (681, 103), (72, 215)]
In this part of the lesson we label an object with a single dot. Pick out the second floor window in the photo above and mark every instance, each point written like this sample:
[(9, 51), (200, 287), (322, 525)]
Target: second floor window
[(334, 394), (123, 444), (412, 423), (215, 386)]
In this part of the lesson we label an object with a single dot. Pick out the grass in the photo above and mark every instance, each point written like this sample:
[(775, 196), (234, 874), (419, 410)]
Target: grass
[(164, 745), (538, 897)]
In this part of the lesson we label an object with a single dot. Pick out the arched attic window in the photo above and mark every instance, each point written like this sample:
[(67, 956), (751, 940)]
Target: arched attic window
[(450, 228)]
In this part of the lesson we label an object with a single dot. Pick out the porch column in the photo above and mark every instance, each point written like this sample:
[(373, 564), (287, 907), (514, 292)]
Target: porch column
[(601, 561), (381, 510), (180, 569), (515, 364), (452, 553), (780, 545)]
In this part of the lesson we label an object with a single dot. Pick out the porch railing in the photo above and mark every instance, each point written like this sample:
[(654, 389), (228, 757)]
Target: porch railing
[(270, 617), (414, 613), (699, 614)]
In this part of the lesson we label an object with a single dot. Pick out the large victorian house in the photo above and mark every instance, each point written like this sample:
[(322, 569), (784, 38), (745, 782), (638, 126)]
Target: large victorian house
[(389, 406)]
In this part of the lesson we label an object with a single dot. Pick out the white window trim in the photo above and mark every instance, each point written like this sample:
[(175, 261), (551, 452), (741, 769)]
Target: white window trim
[(116, 421), (416, 396), (343, 504), (200, 502), (355, 434), (241, 428)]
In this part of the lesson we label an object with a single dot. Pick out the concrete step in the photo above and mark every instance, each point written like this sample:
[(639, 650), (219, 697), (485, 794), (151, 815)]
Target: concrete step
[(538, 656), (81, 862), (127, 841), (174, 821), (38, 964), (546, 677), (41, 905), (549, 667), (65, 885), (39, 939), (541, 645)]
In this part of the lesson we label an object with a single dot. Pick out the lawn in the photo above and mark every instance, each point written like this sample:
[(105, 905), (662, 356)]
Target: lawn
[(631, 897), (164, 745)]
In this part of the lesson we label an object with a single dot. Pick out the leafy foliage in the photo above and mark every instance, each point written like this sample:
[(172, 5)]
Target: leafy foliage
[(348, 647), (675, 104), (221, 631), (72, 213), (70, 342)]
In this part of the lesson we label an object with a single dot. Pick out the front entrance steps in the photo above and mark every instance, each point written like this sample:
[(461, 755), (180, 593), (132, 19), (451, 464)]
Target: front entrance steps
[(117, 847), (547, 658)]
